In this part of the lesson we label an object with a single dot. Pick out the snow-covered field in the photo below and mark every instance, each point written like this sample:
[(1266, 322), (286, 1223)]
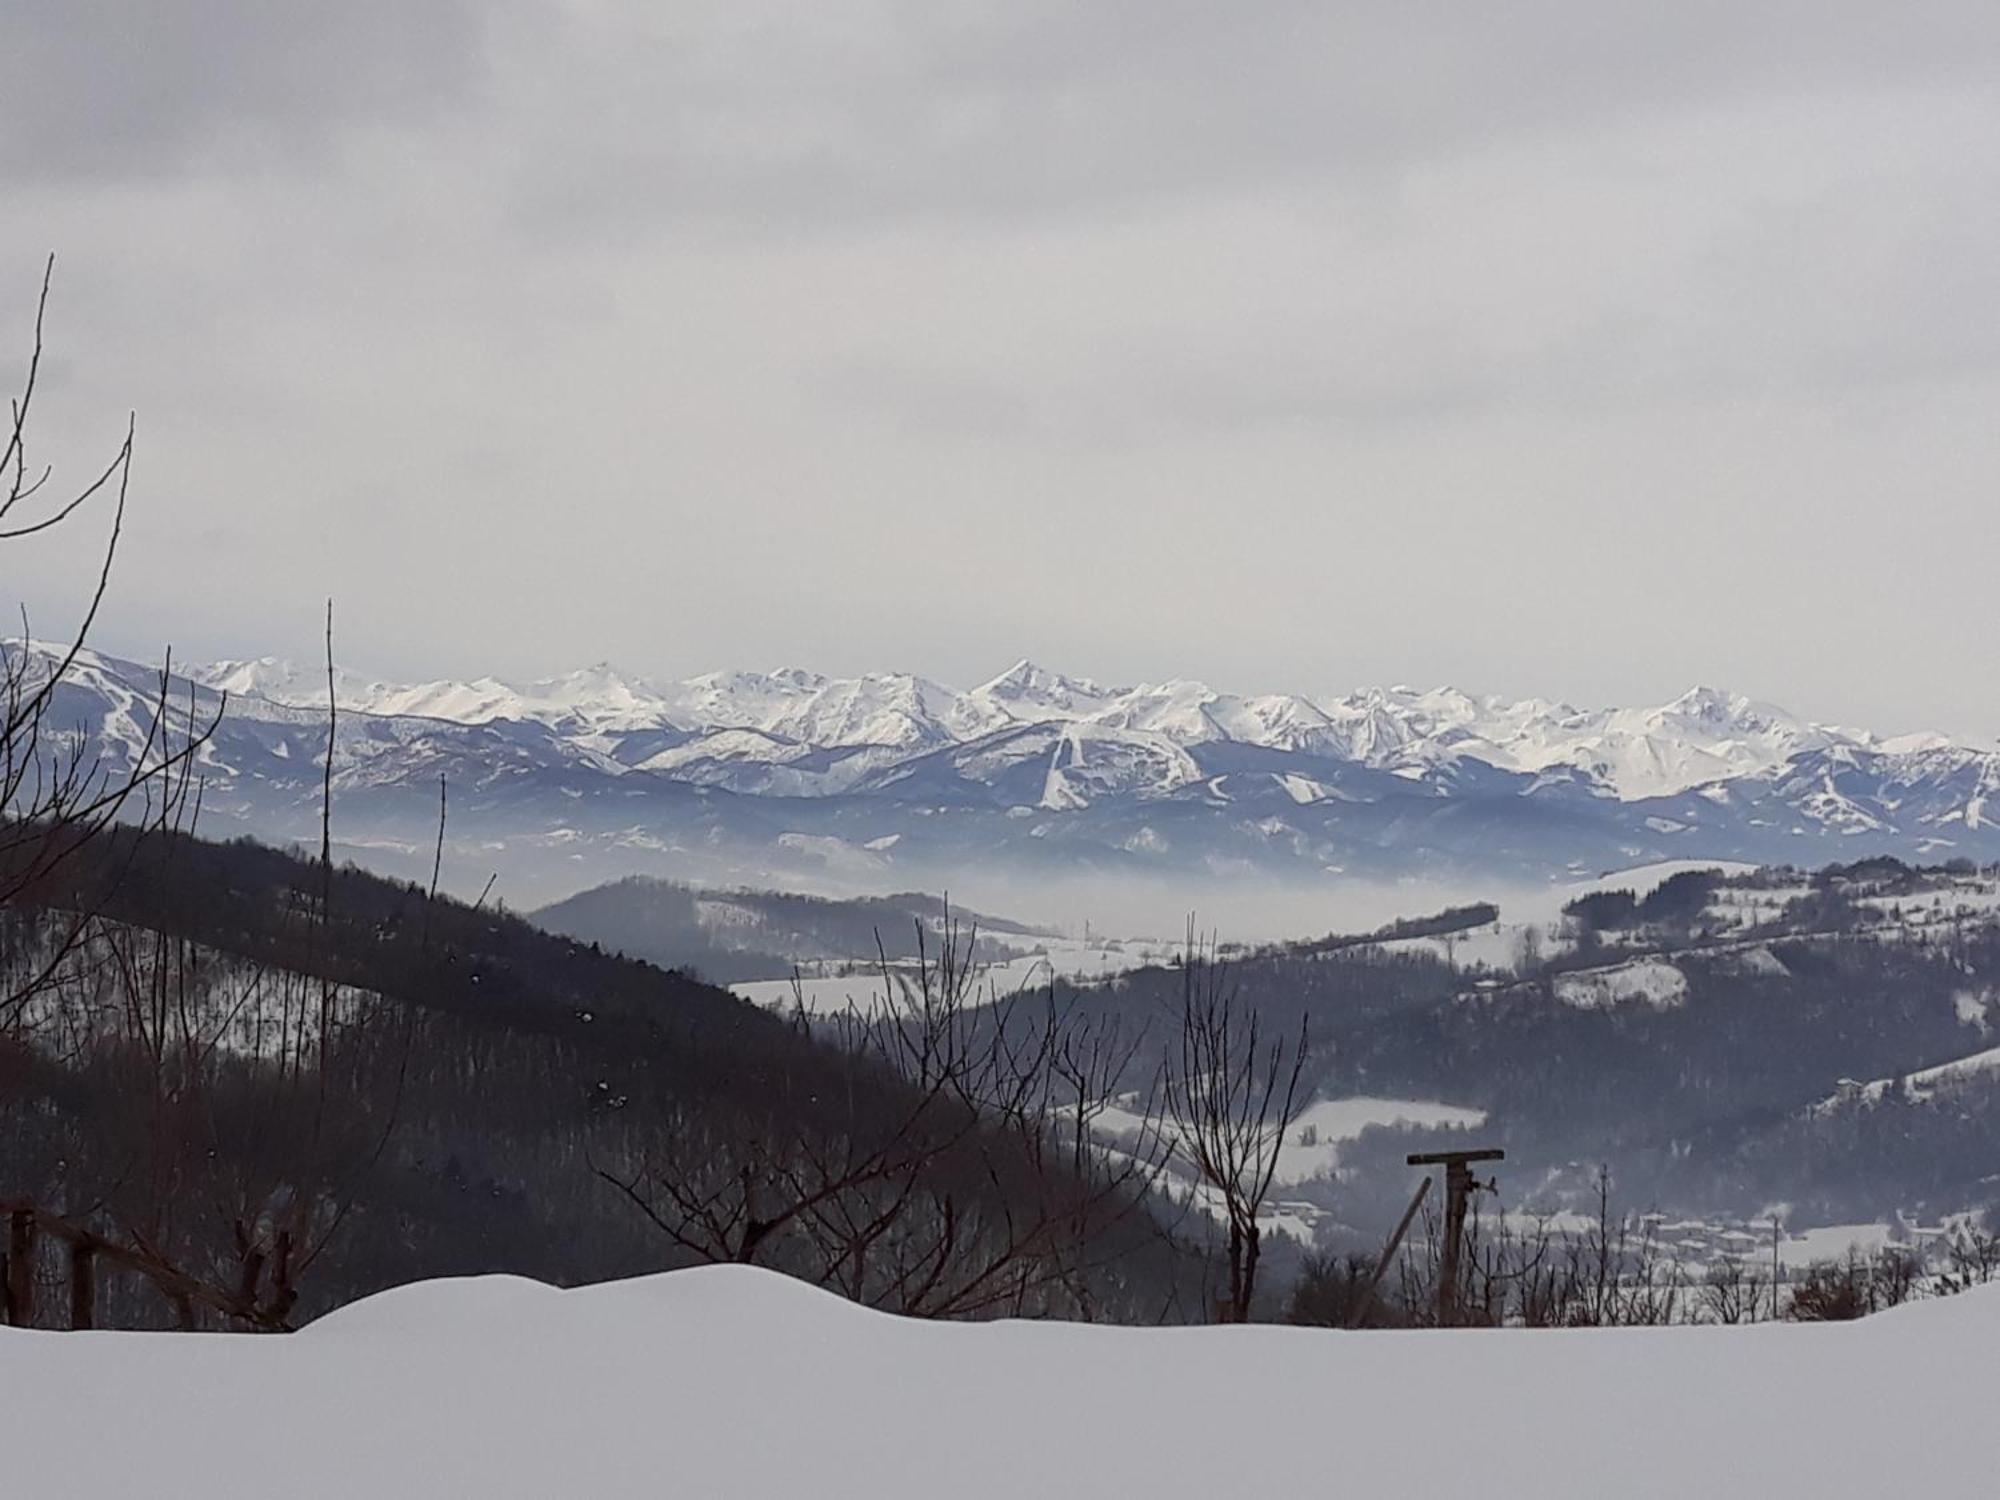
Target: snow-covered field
[(830, 988), (1498, 945), (1310, 1149), (1644, 983), (727, 1381), (1950, 902)]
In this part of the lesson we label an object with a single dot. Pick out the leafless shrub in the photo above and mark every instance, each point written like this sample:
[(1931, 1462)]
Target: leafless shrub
[(1832, 1292), (1230, 1099), (231, 1128), (1333, 1291), (965, 1170), (1519, 1272), (57, 792), (1733, 1290), (1972, 1258), (1835, 1291)]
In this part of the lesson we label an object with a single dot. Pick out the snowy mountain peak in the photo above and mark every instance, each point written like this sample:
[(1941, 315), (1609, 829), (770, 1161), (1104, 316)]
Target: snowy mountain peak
[(1029, 691), (246, 676), (1705, 735), (599, 677), (1704, 701), (830, 773), (1713, 705)]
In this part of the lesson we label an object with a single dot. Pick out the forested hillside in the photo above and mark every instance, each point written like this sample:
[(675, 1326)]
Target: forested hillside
[(301, 1085), (1820, 1040)]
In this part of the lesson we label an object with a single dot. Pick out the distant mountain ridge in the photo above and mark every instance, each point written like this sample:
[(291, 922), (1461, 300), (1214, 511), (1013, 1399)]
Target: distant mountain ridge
[(722, 719), (894, 778)]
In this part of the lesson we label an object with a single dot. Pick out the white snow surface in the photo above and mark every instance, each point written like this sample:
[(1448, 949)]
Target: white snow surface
[(726, 1381), (1704, 736), (832, 986), (1827, 1242), (1332, 1123), (1646, 982), (1920, 1087), (1497, 946)]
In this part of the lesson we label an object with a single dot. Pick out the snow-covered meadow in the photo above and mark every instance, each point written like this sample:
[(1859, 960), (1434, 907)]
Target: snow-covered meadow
[(830, 987), (727, 1381)]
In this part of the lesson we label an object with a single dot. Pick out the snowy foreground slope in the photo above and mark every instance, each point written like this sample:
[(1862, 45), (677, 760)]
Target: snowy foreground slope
[(728, 1381)]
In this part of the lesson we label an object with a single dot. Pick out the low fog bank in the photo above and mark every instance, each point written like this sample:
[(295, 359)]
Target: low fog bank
[(1237, 909)]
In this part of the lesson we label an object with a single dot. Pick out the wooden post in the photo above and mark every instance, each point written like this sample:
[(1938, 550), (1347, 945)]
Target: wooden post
[(1361, 1308), (21, 1268), (82, 1284), (1775, 1268), (1459, 1185), (1457, 1180)]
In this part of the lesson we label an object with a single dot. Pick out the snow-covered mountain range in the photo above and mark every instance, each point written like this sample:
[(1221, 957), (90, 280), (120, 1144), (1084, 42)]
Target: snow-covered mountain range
[(730, 728), (749, 775)]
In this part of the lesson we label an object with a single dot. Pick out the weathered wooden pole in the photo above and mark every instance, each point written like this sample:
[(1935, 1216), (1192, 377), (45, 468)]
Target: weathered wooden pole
[(1459, 1186), (82, 1284), (21, 1268), (1361, 1308)]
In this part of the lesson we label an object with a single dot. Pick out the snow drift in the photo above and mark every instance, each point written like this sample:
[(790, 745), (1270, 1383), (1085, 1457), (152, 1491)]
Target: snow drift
[(728, 1381)]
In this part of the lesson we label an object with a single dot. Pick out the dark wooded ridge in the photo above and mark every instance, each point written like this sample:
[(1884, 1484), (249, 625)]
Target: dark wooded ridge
[(504, 1077)]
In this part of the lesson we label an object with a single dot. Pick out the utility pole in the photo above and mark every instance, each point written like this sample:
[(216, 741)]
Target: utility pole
[(1459, 1186)]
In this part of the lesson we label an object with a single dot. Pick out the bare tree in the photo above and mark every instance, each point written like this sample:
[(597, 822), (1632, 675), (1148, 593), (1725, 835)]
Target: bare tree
[(1230, 1098), (237, 1122), (969, 1167), (1733, 1291), (1610, 1273), (1972, 1258), (58, 790)]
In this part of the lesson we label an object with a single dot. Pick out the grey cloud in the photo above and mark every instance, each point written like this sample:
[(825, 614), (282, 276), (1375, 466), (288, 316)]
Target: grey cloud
[(696, 335), (998, 111), (116, 89)]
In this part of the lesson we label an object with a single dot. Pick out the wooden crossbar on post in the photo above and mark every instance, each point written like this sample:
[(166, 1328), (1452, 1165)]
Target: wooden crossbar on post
[(1459, 1185)]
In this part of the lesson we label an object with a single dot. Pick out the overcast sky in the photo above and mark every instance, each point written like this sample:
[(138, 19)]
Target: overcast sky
[(1539, 348)]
